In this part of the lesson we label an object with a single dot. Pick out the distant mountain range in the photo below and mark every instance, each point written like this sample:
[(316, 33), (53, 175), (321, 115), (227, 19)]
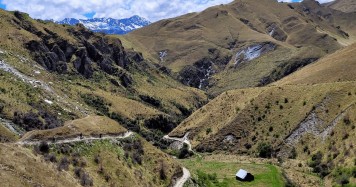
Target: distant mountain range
[(109, 25)]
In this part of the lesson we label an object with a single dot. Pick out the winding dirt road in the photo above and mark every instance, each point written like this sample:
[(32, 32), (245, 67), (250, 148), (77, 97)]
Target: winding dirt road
[(77, 139), (183, 140), (186, 175)]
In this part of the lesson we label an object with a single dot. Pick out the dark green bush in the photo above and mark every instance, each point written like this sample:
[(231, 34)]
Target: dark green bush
[(265, 150), (63, 164), (43, 147), (185, 152), (318, 166), (293, 153), (161, 122), (96, 102), (150, 100), (209, 180)]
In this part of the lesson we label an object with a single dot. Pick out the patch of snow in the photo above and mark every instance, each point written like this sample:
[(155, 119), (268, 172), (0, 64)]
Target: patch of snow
[(48, 102), (162, 55), (109, 25), (207, 76), (252, 52), (272, 31)]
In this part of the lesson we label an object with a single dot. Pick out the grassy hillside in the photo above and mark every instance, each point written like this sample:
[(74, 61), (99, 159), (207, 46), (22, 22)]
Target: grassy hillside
[(86, 127), (106, 162), (286, 121), (63, 82), (308, 115), (216, 49), (214, 171), (337, 67), (20, 167), (54, 73), (343, 5)]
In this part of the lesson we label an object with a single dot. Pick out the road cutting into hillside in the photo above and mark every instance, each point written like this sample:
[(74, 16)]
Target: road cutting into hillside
[(77, 139), (181, 181), (183, 140), (186, 174)]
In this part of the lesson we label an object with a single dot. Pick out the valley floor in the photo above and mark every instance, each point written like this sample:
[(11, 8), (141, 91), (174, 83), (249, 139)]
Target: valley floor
[(220, 170)]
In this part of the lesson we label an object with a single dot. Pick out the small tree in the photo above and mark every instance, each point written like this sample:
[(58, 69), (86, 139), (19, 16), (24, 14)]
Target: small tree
[(293, 153), (265, 150), (63, 164), (184, 152), (208, 131), (43, 147)]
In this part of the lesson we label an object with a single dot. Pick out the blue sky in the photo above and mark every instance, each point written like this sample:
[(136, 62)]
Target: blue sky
[(151, 9), (2, 5)]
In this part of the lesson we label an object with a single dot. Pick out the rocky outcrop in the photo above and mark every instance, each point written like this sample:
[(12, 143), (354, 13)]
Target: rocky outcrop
[(90, 51), (276, 32), (199, 74), (82, 63)]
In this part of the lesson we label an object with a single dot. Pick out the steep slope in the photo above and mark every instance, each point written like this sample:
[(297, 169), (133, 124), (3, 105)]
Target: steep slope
[(308, 114), (343, 5), (20, 167), (77, 155), (53, 73), (109, 25), (243, 43), (337, 67)]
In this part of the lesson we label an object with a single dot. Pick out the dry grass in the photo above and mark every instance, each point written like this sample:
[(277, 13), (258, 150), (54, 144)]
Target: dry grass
[(88, 126), (270, 114), (337, 67), (6, 135), (343, 5), (123, 171), (20, 167), (187, 38)]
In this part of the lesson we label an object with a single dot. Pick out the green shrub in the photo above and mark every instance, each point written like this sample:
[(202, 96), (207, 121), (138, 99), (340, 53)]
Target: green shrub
[(63, 164), (208, 131), (293, 153), (96, 102), (342, 175), (318, 166), (209, 180), (347, 120), (265, 150), (185, 152), (150, 100)]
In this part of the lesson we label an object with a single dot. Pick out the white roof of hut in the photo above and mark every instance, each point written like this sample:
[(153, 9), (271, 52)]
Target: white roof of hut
[(241, 174)]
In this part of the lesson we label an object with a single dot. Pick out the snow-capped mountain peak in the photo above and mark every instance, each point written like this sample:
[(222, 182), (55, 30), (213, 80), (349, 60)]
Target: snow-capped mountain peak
[(109, 25)]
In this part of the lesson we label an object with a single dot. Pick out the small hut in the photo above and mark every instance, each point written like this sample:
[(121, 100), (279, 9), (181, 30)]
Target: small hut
[(244, 176)]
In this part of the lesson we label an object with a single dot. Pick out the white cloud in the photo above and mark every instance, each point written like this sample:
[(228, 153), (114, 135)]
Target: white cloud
[(151, 9)]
